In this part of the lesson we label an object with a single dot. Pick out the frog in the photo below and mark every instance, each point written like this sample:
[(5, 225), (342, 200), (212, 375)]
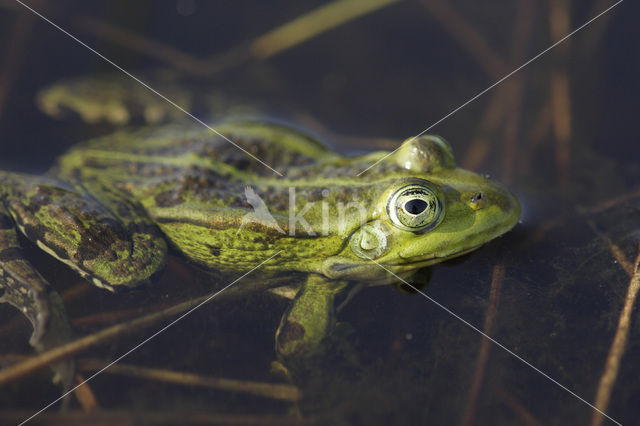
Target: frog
[(115, 207)]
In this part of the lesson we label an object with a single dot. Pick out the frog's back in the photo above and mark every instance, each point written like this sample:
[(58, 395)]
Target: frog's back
[(152, 151)]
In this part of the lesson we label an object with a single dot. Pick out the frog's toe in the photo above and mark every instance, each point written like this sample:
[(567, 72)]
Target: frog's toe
[(47, 315), (51, 327), (45, 310), (279, 370), (39, 318), (55, 331)]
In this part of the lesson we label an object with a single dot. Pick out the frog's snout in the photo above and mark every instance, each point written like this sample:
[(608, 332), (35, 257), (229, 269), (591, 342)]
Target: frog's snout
[(472, 219)]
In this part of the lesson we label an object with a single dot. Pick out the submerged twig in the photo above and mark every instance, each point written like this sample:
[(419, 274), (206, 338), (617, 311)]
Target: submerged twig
[(158, 416), (524, 415), (559, 24), (76, 291), (536, 136), (491, 120), (612, 364), (85, 395), (511, 128), (592, 39), (280, 391), (538, 234), (615, 250), (523, 25), (621, 259), (468, 37), (286, 36), (507, 99), (613, 202), (143, 45), (110, 333), (485, 346), (312, 24), (110, 317)]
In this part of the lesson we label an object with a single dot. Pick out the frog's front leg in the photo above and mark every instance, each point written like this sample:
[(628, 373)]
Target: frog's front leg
[(309, 319), (23, 287)]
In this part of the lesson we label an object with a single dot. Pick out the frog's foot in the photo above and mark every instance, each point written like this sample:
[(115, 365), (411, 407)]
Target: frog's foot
[(279, 370), (57, 332), (308, 321), (23, 287), (115, 100)]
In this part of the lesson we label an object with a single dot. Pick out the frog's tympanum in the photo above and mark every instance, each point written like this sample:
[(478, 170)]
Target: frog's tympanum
[(112, 208)]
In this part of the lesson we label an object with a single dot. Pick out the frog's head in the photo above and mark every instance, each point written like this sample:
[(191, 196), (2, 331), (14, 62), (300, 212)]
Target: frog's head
[(426, 211)]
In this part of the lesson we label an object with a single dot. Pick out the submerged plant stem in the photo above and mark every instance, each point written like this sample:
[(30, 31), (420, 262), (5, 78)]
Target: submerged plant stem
[(74, 347), (468, 37), (279, 391), (559, 24), (612, 365), (313, 23), (485, 345)]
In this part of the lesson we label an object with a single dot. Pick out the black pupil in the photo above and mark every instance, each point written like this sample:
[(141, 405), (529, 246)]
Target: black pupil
[(415, 206)]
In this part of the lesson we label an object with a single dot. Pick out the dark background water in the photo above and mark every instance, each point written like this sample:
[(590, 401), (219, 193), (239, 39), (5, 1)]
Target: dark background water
[(366, 85)]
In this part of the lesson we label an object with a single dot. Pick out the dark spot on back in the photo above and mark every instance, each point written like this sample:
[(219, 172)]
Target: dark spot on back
[(98, 239), (123, 210), (291, 332), (142, 228), (94, 164), (168, 198), (214, 250)]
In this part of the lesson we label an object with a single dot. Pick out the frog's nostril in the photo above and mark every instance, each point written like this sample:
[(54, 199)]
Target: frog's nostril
[(478, 200)]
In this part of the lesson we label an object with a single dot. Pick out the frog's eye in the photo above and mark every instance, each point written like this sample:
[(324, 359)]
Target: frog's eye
[(415, 207)]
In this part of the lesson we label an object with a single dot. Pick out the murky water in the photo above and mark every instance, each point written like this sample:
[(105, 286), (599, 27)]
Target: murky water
[(560, 133)]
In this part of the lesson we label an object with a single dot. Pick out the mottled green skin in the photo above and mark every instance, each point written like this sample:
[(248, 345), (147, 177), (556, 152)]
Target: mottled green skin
[(110, 207)]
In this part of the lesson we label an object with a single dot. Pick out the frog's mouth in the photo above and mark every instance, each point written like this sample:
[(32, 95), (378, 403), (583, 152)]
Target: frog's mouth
[(415, 262), (370, 273), (426, 250), (447, 244), (378, 273), (342, 268), (375, 273)]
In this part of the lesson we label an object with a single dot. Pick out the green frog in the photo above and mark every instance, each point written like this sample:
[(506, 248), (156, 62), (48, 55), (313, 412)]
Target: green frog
[(112, 208)]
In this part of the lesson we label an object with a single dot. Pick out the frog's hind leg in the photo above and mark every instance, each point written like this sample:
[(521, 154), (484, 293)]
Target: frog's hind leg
[(100, 234), (23, 287), (108, 242)]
